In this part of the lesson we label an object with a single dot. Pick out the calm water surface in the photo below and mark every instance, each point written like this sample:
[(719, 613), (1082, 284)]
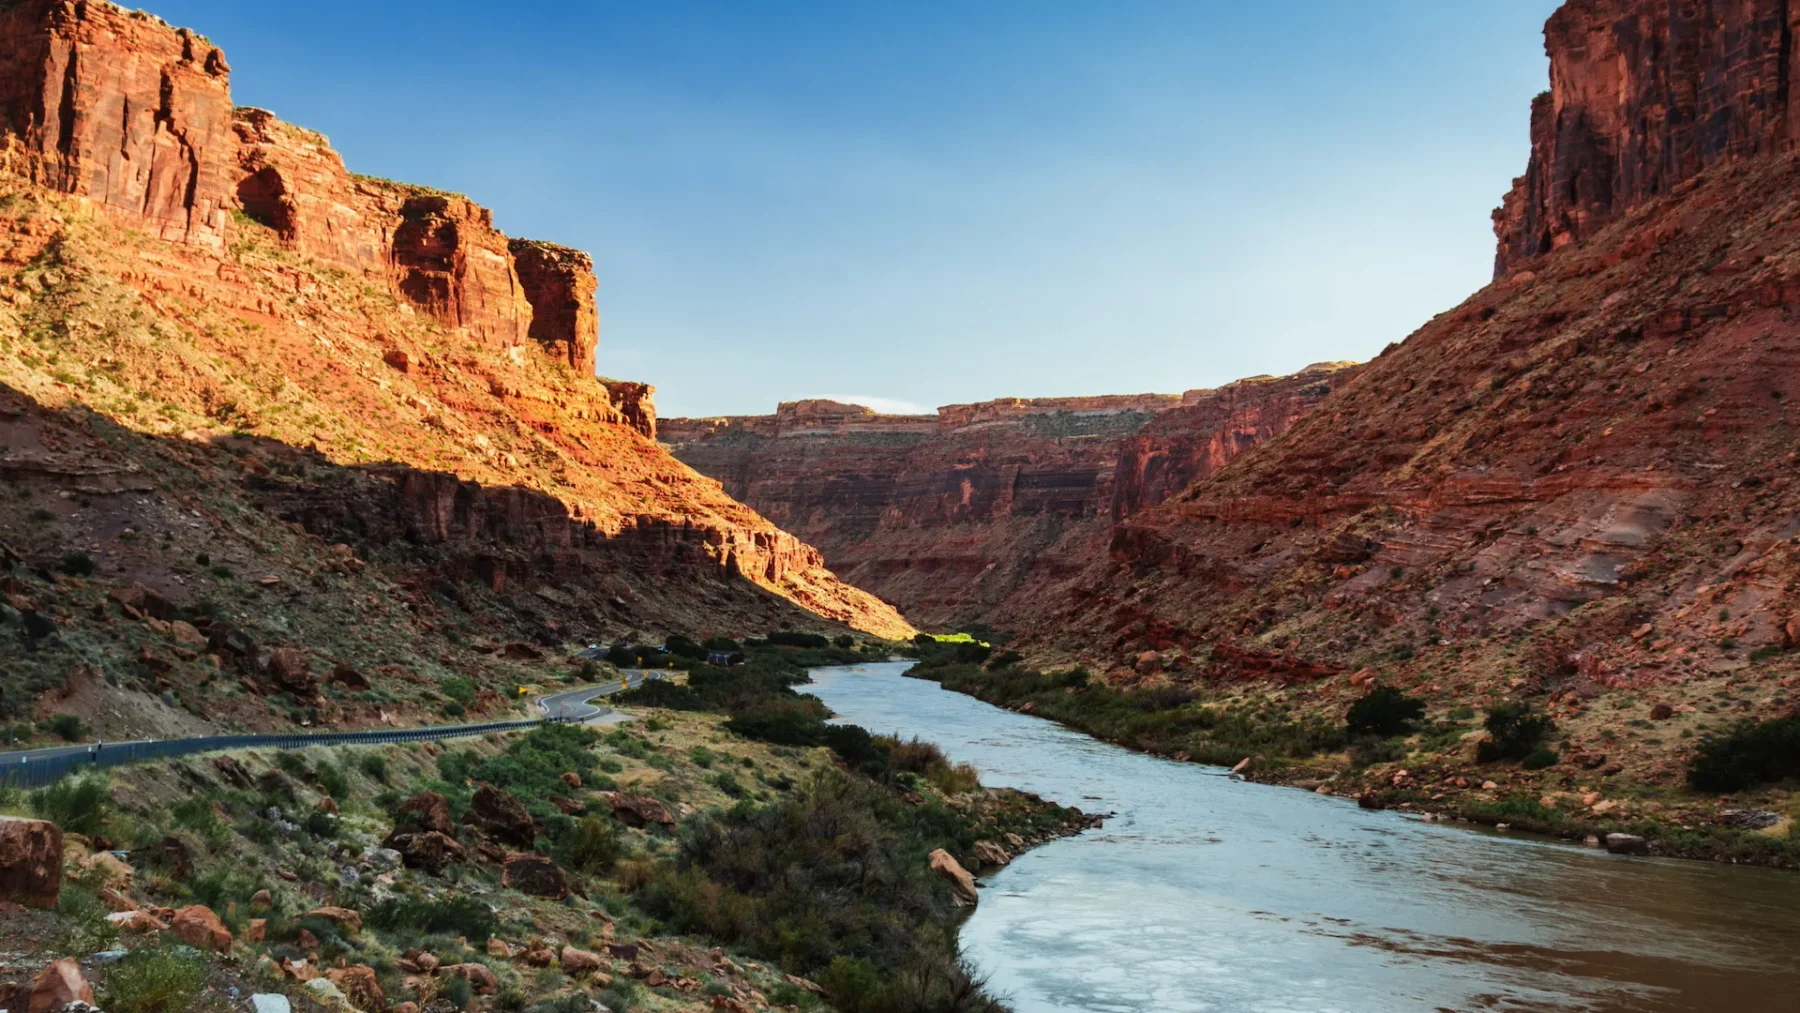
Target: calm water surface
[(1203, 893)]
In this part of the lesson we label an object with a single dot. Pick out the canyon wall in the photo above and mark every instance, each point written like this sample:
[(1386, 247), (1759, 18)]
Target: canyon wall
[(1643, 96), (445, 359), (976, 511), (1576, 489)]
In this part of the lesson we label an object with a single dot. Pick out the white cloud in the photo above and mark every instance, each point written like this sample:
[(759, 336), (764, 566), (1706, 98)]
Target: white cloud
[(884, 405)]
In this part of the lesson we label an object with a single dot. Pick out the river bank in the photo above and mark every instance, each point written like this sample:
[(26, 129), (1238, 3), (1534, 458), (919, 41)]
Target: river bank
[(1431, 773), (1204, 892)]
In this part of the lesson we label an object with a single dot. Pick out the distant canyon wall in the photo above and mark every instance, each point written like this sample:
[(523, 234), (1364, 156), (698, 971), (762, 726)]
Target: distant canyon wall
[(971, 513)]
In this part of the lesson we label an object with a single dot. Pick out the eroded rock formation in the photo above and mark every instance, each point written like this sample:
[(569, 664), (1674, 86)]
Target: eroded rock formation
[(451, 364), (980, 509), (1644, 96)]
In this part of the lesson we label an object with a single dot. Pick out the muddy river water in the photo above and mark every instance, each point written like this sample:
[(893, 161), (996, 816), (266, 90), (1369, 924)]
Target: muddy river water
[(1203, 893)]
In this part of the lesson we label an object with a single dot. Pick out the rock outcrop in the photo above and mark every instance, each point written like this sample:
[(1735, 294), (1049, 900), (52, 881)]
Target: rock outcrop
[(978, 511), (415, 333), (31, 854), (118, 107), (1643, 96)]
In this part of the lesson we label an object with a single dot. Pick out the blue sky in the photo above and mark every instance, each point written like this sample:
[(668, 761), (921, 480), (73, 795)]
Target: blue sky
[(934, 202)]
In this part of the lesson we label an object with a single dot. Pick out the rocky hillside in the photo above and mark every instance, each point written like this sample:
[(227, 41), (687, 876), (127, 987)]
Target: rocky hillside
[(1577, 487), (280, 395), (975, 513)]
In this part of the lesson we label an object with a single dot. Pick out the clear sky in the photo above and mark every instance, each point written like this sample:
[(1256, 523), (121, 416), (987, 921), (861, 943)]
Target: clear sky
[(927, 201)]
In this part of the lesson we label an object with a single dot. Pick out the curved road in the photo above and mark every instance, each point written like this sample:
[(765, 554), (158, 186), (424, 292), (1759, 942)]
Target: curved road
[(574, 704), (570, 705)]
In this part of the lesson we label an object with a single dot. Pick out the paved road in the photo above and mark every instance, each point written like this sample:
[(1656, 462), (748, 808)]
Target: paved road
[(38, 765), (575, 705)]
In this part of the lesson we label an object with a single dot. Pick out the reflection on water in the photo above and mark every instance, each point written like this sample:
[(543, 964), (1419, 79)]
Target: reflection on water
[(1203, 893)]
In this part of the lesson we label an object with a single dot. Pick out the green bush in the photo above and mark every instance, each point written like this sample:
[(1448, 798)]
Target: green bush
[(592, 846), (451, 916), (1516, 731), (335, 782), (375, 766), (458, 689), (785, 638), (68, 727), (77, 564), (154, 981), (682, 647), (76, 804), (723, 644), (84, 926), (621, 996), (1541, 757), (1384, 712), (1751, 754)]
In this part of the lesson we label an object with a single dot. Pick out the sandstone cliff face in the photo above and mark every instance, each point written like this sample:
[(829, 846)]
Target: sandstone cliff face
[(387, 327), (1644, 95), (976, 512), (120, 108), (1578, 487)]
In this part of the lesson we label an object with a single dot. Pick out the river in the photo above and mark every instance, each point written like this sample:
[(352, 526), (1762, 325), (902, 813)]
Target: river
[(1204, 893)]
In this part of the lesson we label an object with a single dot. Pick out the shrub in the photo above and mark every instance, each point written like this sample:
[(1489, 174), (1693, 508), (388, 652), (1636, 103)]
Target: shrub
[(1541, 757), (724, 644), (1372, 749), (785, 638), (76, 804), (376, 766), (682, 647), (84, 926), (458, 689), (68, 727), (459, 992), (1750, 755), (335, 782), (621, 657), (592, 846), (621, 996), (451, 916), (1384, 712), (154, 981), (844, 641), (77, 564), (700, 756), (1516, 732)]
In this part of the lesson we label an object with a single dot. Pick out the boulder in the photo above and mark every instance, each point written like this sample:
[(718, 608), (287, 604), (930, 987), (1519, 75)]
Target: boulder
[(1661, 712), (576, 963), (572, 779), (270, 1002), (55, 987), (534, 875), (538, 956), (636, 810), (429, 812), (357, 983), (31, 853), (234, 773), (256, 930), (1627, 844), (262, 900), (567, 806), (289, 670), (501, 816), (200, 928), (962, 885), (137, 921), (478, 976), (991, 854)]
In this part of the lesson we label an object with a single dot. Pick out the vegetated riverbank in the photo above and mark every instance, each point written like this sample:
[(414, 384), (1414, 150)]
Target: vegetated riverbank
[(729, 850), (1505, 771)]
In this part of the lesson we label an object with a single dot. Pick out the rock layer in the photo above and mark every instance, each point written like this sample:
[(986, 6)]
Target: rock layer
[(974, 513), (397, 315), (1644, 95)]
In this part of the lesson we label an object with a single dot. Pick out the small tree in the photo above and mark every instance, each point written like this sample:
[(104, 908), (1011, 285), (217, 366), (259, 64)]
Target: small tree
[(1516, 731), (1384, 712)]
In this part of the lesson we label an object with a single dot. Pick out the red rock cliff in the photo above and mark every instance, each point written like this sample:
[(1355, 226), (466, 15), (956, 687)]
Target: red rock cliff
[(121, 108), (975, 513), (1643, 95), (394, 323)]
